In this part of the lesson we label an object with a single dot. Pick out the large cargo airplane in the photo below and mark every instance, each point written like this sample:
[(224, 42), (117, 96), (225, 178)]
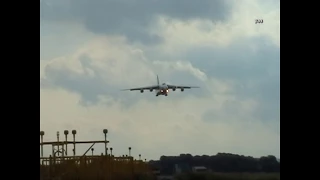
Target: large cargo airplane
[(161, 89)]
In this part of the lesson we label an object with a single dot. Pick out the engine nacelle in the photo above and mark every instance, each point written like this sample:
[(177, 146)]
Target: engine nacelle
[(174, 89), (182, 89), (151, 90), (141, 90)]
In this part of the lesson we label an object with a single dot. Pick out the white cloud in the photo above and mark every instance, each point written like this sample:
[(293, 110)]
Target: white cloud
[(164, 125), (61, 38), (115, 61), (241, 24), (148, 126), (181, 66)]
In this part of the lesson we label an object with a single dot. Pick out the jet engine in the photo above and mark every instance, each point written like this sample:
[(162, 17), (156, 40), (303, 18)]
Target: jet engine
[(141, 90), (182, 89)]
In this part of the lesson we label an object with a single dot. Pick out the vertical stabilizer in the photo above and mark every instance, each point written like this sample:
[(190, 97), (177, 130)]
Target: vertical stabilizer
[(158, 81)]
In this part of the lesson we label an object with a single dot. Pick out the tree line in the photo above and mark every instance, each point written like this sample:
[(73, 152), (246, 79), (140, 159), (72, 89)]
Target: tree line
[(222, 162)]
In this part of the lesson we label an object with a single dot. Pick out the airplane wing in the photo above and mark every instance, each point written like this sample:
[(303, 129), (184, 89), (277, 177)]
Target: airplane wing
[(181, 87), (142, 88)]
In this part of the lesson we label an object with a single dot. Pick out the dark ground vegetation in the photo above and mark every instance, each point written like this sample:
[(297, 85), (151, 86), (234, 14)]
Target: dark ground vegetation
[(228, 176), (224, 166)]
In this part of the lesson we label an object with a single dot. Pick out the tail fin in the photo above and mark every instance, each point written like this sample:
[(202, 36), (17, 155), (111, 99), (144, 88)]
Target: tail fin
[(158, 80)]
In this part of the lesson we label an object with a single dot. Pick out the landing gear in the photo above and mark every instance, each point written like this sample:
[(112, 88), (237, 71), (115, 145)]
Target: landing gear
[(166, 94)]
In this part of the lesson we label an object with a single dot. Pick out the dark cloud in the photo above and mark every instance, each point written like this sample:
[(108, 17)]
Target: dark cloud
[(90, 88), (256, 73), (130, 17)]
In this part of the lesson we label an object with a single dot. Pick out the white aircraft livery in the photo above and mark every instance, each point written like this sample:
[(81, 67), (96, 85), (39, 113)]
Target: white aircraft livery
[(161, 89)]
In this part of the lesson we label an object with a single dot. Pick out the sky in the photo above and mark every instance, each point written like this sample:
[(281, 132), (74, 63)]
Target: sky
[(90, 49)]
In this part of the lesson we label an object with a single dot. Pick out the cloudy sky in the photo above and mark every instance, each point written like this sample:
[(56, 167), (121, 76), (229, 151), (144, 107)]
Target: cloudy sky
[(90, 49)]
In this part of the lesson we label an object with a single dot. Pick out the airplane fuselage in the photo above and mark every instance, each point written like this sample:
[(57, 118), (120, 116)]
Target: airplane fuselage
[(163, 90)]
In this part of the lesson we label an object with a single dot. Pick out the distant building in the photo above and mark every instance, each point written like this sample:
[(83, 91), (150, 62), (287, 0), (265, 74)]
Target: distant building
[(186, 168), (199, 169)]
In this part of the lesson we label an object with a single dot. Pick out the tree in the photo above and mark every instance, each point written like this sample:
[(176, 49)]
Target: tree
[(221, 162)]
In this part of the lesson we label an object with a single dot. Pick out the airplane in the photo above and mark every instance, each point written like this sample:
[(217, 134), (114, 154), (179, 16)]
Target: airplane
[(161, 89)]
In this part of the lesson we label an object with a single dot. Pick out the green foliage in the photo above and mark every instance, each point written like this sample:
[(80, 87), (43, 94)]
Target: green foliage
[(222, 162)]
